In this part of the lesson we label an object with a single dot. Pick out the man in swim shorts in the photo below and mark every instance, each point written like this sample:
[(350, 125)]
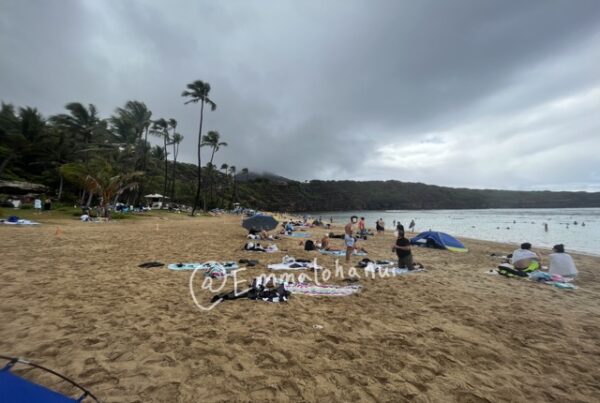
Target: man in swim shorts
[(348, 238)]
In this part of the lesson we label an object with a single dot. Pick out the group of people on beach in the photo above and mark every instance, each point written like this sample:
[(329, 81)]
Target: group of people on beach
[(401, 246), (525, 260)]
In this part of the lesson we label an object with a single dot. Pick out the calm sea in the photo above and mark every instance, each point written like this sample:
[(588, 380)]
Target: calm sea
[(578, 229)]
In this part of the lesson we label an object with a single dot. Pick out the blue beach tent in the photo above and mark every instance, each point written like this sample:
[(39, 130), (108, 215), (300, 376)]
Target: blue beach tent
[(15, 389), (440, 240)]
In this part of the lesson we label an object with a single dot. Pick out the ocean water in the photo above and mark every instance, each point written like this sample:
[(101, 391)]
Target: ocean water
[(578, 228)]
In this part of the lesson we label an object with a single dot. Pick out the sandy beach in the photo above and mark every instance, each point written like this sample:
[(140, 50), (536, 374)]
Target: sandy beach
[(79, 304)]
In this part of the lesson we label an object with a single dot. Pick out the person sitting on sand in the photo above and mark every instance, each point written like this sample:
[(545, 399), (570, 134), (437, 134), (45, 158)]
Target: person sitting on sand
[(525, 259), (326, 243), (562, 263), (402, 249), (349, 240)]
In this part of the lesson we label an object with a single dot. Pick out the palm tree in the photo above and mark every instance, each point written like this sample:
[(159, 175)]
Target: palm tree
[(81, 121), (232, 172), (172, 123), (160, 128), (175, 141), (224, 167), (198, 92), (102, 180), (211, 139), (130, 123)]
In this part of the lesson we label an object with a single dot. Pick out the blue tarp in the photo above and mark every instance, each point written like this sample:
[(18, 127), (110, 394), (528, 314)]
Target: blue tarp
[(438, 240), (14, 389)]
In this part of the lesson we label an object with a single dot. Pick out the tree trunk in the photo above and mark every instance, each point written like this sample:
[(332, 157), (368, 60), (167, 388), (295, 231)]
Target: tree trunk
[(82, 200), (211, 186), (175, 152), (199, 187), (89, 201), (60, 187), (140, 191), (166, 169), (212, 175), (5, 163)]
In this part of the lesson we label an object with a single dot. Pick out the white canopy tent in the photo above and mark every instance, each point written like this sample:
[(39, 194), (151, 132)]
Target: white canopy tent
[(155, 200)]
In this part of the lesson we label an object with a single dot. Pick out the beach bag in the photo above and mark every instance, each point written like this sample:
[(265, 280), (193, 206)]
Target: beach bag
[(309, 245)]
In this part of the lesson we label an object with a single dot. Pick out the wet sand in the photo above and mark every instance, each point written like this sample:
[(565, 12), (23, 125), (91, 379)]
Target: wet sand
[(80, 305)]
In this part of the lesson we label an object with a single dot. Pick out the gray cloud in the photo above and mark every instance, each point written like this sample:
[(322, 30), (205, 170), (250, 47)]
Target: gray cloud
[(452, 93)]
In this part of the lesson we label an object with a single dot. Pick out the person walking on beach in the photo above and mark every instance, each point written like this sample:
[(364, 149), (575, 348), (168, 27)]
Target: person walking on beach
[(411, 226), (402, 249), (349, 240)]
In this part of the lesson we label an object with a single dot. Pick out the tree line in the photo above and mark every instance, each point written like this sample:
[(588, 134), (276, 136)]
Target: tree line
[(88, 159)]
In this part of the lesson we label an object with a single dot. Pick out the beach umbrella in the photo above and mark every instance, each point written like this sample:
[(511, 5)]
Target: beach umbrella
[(260, 222)]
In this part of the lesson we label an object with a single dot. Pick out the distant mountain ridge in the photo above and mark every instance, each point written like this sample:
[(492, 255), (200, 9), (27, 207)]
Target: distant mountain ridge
[(253, 176), (283, 194)]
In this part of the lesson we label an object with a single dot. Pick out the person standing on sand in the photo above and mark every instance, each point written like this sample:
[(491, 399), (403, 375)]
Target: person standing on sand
[(361, 227), (348, 238), (399, 228), (411, 226), (380, 225)]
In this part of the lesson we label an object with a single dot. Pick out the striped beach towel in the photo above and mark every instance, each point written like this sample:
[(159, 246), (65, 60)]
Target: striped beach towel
[(329, 290)]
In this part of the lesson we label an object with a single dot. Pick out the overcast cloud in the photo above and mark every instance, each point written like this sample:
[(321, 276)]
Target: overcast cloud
[(470, 93)]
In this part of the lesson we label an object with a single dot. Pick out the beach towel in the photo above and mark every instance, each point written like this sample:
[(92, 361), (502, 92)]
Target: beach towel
[(329, 290), (229, 266), (387, 268), (539, 276), (389, 271), (12, 221), (184, 266), (552, 279), (299, 235), (291, 263), (292, 266), (258, 291), (340, 252)]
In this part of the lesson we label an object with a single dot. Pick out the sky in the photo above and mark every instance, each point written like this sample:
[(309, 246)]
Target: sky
[(464, 93)]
